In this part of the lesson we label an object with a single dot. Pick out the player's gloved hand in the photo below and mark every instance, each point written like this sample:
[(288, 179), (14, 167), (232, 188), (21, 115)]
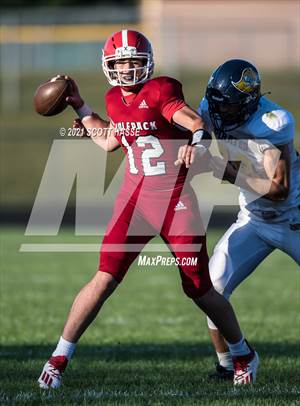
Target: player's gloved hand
[(74, 99)]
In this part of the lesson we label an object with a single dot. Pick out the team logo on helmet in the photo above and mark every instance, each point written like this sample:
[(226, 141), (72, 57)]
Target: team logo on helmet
[(248, 82)]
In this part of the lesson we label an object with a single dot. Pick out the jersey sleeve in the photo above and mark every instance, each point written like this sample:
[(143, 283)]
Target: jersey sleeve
[(271, 128), (171, 98), (279, 127)]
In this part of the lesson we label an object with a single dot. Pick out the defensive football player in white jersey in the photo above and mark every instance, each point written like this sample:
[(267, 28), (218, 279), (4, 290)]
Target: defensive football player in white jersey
[(255, 138)]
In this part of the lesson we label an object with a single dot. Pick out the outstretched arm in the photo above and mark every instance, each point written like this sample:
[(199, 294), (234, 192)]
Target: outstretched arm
[(273, 186), (191, 120)]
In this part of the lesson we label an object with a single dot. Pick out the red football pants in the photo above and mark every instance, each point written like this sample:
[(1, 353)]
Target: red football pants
[(141, 215)]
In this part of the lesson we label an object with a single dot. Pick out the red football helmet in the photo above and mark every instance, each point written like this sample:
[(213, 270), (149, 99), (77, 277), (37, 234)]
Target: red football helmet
[(127, 44)]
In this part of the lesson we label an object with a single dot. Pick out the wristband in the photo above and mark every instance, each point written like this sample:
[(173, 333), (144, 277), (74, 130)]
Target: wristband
[(84, 111), (200, 135)]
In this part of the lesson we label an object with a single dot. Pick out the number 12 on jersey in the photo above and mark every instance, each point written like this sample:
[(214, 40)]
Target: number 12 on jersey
[(149, 153)]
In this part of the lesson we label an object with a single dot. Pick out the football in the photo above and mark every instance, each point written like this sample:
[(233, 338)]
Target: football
[(50, 97)]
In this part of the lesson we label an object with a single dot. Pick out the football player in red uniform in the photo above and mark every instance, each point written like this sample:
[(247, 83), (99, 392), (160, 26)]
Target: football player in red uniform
[(155, 198)]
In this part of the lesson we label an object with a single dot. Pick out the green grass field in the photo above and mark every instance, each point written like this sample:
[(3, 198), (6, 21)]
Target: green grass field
[(149, 346)]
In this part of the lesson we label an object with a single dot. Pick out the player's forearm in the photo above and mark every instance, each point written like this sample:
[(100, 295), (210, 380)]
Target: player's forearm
[(100, 131), (189, 119), (277, 192), (275, 185), (267, 188), (95, 121)]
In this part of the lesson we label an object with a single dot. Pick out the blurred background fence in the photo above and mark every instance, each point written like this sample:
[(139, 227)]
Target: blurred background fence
[(189, 39)]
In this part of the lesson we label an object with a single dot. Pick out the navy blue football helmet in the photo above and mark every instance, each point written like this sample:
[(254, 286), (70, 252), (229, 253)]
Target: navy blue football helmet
[(233, 93)]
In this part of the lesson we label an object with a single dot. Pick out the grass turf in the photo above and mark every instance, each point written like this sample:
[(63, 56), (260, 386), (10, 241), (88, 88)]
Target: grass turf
[(149, 346)]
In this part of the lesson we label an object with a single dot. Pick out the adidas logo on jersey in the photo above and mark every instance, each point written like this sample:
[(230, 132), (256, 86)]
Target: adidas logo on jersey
[(143, 105), (180, 206)]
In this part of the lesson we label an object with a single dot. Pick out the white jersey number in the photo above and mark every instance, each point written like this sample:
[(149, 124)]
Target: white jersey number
[(155, 152)]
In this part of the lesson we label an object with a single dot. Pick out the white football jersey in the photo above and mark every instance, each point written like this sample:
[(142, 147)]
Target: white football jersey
[(268, 126)]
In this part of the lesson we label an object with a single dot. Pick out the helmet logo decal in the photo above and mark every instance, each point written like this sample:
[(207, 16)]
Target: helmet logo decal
[(126, 51), (248, 81)]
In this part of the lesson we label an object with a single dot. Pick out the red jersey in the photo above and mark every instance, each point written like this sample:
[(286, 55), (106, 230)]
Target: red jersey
[(147, 135), (148, 204)]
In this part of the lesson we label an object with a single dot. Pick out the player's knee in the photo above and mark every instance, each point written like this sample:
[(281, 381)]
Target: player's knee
[(105, 283), (219, 270), (194, 290)]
